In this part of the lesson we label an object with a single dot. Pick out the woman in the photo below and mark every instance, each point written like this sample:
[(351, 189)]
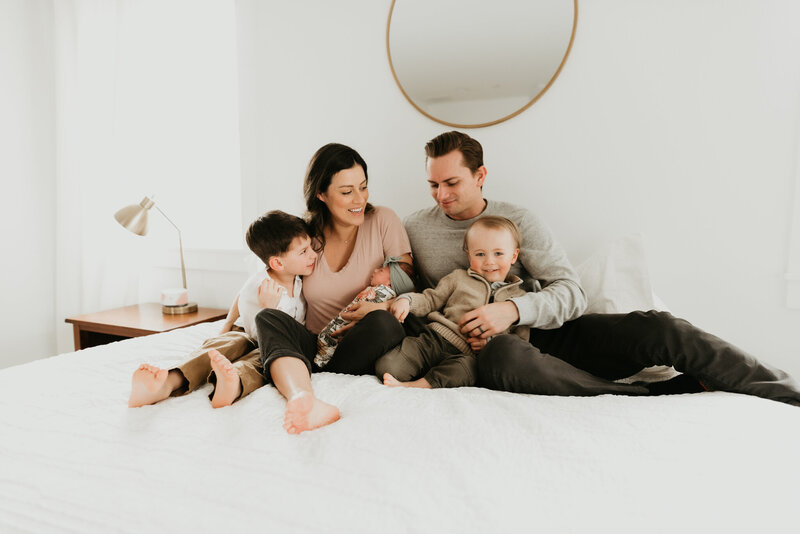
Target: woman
[(352, 238)]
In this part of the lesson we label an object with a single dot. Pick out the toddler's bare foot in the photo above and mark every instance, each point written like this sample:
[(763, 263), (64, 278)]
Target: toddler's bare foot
[(149, 385), (306, 412), (392, 382), (228, 387), (389, 380)]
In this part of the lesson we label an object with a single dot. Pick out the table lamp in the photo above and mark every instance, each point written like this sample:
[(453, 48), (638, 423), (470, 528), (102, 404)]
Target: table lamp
[(134, 218)]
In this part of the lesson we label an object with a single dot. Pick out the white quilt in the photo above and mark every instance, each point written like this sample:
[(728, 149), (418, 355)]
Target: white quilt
[(75, 458)]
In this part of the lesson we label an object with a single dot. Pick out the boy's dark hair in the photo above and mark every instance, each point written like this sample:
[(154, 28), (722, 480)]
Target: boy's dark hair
[(272, 234), (494, 222), (471, 150)]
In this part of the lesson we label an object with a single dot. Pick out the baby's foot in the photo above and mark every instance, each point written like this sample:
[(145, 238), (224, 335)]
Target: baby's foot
[(306, 412), (228, 387), (149, 385)]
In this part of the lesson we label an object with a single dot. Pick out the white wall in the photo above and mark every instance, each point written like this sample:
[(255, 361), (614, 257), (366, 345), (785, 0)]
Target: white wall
[(676, 119), (27, 153)]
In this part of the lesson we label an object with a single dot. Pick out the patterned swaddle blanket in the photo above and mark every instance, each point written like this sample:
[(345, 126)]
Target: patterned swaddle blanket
[(326, 343)]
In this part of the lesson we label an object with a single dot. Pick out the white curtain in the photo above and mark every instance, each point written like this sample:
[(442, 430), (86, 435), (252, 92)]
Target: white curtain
[(146, 103), (793, 268)]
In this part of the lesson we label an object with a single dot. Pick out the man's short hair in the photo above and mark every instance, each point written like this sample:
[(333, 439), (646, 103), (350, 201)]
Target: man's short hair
[(272, 234), (471, 150), (495, 222)]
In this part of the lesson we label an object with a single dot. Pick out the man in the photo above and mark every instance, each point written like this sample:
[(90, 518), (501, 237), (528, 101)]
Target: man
[(578, 354)]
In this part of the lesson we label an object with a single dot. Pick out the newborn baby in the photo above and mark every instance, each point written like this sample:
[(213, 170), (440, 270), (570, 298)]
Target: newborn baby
[(391, 279)]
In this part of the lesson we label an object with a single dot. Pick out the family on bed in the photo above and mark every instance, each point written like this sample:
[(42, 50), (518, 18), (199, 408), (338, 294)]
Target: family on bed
[(500, 304)]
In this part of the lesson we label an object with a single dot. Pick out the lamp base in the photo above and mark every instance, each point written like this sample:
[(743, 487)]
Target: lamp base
[(179, 310)]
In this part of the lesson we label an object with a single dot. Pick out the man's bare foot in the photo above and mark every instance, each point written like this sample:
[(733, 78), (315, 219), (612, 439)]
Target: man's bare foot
[(392, 382), (306, 412), (149, 385), (228, 387)]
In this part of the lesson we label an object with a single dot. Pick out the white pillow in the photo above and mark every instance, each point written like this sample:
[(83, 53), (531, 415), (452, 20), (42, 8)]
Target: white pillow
[(616, 279)]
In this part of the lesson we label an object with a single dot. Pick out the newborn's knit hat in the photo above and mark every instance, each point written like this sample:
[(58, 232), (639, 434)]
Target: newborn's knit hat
[(401, 282)]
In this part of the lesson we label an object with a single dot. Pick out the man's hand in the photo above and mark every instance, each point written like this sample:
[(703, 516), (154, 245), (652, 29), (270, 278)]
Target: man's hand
[(269, 294), (400, 308), (489, 320)]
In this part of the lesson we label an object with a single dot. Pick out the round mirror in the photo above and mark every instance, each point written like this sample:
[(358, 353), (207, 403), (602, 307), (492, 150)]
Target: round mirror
[(473, 63)]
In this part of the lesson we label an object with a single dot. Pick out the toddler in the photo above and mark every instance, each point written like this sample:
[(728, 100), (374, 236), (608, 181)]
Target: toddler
[(442, 354)]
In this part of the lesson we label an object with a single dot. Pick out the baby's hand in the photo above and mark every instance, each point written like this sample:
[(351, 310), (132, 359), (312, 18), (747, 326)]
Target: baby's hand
[(400, 309), (269, 293), (477, 343)]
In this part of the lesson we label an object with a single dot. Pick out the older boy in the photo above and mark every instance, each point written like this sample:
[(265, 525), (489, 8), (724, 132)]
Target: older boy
[(282, 242)]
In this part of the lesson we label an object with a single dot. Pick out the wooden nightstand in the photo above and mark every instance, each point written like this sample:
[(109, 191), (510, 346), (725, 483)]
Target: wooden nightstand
[(103, 327)]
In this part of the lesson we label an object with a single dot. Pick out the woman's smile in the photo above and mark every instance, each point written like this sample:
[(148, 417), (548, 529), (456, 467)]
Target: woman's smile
[(347, 196)]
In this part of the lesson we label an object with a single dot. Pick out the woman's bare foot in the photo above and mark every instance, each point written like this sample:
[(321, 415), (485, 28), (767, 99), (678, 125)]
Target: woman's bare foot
[(149, 385), (306, 412), (228, 387), (392, 382)]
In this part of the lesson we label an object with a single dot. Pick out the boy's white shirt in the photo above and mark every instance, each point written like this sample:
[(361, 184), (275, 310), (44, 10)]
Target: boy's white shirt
[(249, 306)]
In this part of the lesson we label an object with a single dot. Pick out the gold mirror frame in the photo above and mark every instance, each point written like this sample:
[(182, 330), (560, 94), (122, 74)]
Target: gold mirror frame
[(490, 123)]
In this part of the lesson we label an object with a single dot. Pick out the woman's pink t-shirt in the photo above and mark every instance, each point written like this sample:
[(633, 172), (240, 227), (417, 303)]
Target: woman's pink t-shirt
[(327, 292)]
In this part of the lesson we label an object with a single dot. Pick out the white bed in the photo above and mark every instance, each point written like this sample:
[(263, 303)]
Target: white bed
[(75, 458)]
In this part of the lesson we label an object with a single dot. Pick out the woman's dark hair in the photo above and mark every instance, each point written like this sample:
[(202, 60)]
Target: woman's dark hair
[(326, 162)]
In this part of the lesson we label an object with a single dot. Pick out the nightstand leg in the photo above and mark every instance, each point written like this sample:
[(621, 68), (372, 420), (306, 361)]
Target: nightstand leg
[(76, 333)]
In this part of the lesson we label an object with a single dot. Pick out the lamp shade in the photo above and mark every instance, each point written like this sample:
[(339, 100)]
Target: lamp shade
[(134, 217)]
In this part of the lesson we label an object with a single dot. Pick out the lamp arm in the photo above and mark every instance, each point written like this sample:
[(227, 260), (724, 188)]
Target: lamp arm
[(180, 243)]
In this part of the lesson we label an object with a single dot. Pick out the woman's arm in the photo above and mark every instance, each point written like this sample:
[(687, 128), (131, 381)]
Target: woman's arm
[(360, 309)]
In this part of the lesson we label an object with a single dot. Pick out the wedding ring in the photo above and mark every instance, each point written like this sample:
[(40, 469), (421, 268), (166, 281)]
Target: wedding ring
[(481, 329)]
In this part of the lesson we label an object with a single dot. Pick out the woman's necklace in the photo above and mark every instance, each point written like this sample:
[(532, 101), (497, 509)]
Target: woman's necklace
[(349, 238)]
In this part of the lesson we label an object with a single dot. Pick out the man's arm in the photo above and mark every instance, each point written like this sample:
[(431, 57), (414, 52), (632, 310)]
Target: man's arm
[(560, 297)]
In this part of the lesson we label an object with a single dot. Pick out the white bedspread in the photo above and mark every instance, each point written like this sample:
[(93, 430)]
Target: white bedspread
[(75, 458)]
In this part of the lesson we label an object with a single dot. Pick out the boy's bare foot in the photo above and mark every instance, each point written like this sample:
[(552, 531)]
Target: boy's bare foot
[(392, 382), (228, 387), (149, 385), (306, 412)]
